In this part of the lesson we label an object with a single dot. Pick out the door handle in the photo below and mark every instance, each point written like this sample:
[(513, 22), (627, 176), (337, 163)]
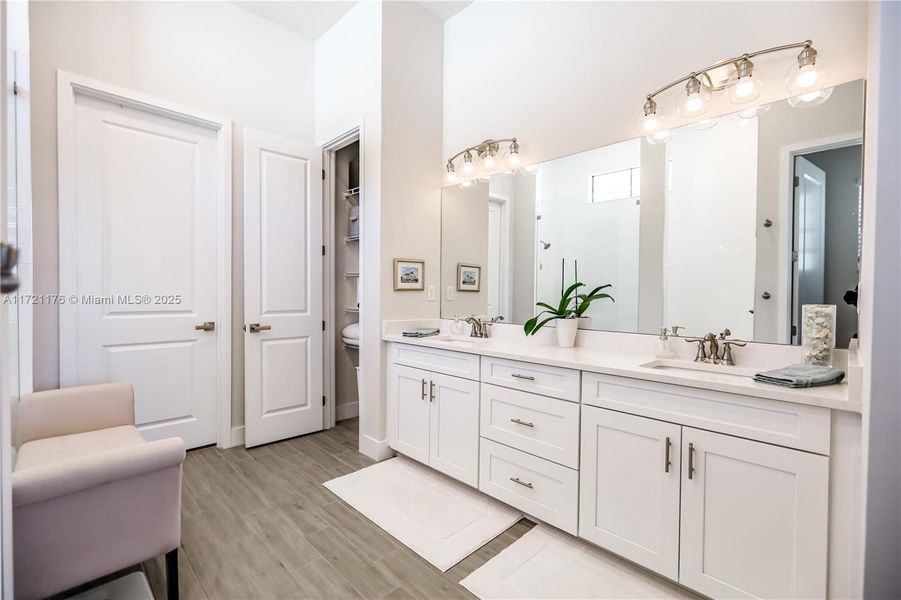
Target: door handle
[(256, 327), (518, 422), (691, 461), (521, 376), (521, 482), (666, 460), (423, 389), (432, 391), (206, 326), (9, 257)]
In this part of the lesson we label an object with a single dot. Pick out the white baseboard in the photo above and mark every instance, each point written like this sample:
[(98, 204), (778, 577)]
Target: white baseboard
[(347, 411), (237, 437), (375, 449)]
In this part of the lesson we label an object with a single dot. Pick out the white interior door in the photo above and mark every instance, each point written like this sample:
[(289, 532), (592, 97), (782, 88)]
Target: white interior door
[(282, 287), (497, 258), (810, 236), (141, 200)]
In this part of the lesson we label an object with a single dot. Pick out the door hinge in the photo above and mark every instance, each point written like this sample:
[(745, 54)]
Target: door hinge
[(15, 88), (323, 326), (323, 249), (323, 401), (323, 174), (797, 181)]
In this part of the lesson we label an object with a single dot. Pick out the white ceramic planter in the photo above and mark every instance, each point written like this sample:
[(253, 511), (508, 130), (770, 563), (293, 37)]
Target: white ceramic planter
[(566, 332)]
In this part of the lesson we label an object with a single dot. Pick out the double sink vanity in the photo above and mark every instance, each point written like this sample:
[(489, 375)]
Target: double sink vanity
[(695, 472)]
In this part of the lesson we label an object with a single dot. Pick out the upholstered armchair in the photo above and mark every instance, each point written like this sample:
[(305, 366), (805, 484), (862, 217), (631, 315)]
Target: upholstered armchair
[(90, 496)]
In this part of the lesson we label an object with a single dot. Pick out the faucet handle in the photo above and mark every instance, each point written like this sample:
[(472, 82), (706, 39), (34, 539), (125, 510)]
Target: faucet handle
[(701, 355), (727, 351), (725, 333)]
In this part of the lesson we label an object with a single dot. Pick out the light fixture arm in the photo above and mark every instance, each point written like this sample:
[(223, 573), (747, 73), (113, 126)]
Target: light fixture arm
[(482, 147), (806, 44)]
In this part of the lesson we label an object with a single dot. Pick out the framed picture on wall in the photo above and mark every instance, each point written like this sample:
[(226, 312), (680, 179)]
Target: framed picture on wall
[(409, 274), (469, 278)]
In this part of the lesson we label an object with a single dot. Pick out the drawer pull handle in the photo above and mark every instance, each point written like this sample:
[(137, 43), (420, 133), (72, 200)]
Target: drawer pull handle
[(666, 461), (521, 376), (432, 391), (691, 461), (522, 483), (423, 389), (526, 423)]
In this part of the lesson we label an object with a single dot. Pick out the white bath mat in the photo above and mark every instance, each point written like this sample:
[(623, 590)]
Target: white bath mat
[(547, 563), (442, 520)]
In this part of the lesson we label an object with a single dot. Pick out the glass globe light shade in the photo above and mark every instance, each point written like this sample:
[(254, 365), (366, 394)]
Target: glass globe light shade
[(489, 162), (809, 99), (693, 100), (660, 136), (468, 167), (745, 89)]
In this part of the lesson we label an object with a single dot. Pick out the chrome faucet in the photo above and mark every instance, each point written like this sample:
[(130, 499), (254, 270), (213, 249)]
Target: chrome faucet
[(480, 327)]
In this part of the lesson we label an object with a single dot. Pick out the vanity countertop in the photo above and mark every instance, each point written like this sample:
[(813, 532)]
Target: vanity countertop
[(593, 360)]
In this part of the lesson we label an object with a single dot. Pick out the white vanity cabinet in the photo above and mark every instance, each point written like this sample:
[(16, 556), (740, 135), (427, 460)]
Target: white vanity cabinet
[(726, 493), (434, 418), (754, 518), (629, 487)]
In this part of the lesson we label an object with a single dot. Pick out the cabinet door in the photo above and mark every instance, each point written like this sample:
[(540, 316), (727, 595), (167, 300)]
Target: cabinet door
[(454, 443), (629, 487), (754, 518), (408, 411)]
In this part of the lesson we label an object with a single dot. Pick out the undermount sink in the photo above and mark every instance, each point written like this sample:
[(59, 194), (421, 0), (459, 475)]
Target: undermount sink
[(672, 364), (451, 339)]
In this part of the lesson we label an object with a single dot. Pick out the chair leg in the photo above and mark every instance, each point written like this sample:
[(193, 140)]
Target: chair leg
[(172, 575)]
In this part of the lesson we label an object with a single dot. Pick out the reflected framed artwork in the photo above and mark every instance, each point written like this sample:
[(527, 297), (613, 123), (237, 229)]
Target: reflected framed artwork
[(469, 278)]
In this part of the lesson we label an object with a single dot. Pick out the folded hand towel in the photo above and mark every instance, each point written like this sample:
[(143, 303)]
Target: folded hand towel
[(422, 332), (352, 331), (801, 376)]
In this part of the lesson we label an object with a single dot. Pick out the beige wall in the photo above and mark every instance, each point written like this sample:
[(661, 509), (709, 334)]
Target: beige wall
[(214, 57), (464, 239)]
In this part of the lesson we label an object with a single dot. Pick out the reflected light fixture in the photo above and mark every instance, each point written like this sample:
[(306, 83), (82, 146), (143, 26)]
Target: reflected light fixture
[(806, 81), (489, 160)]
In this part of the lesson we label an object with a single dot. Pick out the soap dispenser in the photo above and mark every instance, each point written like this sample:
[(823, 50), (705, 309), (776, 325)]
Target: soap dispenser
[(663, 349), (458, 327)]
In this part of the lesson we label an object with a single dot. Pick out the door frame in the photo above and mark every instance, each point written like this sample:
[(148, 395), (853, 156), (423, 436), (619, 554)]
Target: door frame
[(787, 156), (352, 134), (68, 85), (504, 292)]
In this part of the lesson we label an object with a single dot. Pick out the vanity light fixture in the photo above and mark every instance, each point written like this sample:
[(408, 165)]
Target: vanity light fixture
[(489, 160), (805, 80)]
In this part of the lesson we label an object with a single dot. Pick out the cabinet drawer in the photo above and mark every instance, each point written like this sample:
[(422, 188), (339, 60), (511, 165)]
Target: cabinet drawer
[(538, 487), (545, 427), (538, 379), (783, 423), (458, 364)]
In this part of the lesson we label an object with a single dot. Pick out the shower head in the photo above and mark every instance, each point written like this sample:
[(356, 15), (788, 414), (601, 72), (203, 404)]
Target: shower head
[(544, 245)]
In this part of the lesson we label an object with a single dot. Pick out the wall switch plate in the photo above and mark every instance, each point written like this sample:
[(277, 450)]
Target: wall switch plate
[(451, 291), (432, 293)]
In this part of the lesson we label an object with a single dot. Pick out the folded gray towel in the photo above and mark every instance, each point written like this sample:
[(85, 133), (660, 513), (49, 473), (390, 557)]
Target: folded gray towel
[(801, 376), (422, 332)]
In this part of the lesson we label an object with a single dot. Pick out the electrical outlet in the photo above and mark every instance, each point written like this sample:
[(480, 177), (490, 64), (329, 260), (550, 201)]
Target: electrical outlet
[(432, 293), (451, 292)]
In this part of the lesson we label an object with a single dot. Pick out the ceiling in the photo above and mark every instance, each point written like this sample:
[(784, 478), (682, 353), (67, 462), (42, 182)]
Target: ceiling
[(312, 18)]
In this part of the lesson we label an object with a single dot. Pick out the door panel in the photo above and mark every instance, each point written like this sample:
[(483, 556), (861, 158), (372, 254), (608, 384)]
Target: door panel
[(454, 427), (146, 272), (751, 509), (809, 277), (629, 493), (283, 283), (408, 411)]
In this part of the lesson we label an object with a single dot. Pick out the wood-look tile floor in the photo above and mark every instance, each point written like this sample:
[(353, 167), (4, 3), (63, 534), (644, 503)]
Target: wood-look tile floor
[(258, 523)]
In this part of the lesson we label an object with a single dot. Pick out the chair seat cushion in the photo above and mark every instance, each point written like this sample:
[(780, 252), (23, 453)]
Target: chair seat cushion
[(49, 450)]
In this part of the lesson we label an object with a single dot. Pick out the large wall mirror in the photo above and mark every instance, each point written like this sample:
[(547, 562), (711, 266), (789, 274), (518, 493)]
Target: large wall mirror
[(733, 222)]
